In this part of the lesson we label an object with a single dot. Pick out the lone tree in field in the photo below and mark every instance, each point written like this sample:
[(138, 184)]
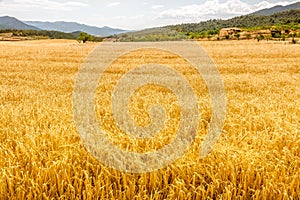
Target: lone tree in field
[(83, 37)]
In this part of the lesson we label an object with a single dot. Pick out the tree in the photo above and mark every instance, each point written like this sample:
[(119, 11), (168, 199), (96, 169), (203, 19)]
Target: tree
[(83, 37)]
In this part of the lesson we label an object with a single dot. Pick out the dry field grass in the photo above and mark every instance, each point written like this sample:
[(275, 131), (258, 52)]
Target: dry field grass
[(257, 156)]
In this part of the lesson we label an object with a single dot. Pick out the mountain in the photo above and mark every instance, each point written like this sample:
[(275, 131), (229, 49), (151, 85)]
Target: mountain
[(276, 9), (260, 19), (7, 22), (245, 21), (287, 20), (288, 16), (70, 27)]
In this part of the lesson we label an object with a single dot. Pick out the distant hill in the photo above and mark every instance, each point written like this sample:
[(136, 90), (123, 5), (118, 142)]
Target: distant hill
[(212, 27), (276, 9), (246, 21), (151, 34), (7, 22), (70, 27)]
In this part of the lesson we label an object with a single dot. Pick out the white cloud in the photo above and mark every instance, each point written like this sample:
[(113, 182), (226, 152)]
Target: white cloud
[(213, 9), (122, 17), (76, 4), (266, 4), (42, 5), (157, 6), (113, 4)]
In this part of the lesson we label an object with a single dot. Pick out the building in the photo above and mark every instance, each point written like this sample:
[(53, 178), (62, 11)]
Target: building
[(229, 31)]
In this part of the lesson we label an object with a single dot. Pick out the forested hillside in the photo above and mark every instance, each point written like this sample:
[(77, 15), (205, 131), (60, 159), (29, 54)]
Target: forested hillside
[(287, 22), (247, 21)]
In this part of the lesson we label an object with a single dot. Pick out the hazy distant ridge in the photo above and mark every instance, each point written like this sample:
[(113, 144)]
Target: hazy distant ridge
[(276, 9), (70, 27), (7, 22)]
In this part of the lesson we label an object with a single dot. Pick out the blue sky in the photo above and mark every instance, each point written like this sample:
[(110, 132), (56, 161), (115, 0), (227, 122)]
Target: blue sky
[(131, 14)]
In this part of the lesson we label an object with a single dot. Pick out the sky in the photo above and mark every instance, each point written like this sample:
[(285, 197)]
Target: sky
[(131, 14)]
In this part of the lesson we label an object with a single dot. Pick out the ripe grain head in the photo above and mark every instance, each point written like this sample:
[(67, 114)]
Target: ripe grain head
[(258, 155)]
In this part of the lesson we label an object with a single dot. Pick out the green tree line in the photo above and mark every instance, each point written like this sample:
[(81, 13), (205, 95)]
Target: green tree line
[(52, 35)]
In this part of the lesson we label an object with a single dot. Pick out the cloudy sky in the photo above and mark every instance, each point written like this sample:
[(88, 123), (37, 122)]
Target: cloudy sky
[(131, 14)]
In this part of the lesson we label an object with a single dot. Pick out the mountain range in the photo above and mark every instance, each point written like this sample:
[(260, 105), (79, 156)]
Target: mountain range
[(8, 22), (286, 20), (69, 27), (276, 9)]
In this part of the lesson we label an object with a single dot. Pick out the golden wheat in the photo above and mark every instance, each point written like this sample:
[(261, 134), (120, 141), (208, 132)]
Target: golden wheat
[(257, 156)]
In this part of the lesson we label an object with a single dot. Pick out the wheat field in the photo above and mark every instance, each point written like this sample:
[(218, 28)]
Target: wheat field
[(257, 156)]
